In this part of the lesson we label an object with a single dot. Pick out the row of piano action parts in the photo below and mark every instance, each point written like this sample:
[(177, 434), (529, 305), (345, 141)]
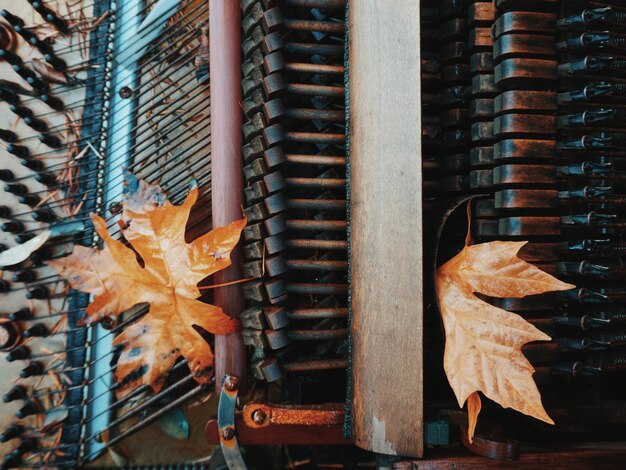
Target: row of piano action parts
[(536, 119), (498, 134), (591, 115), (294, 151), (459, 92), (19, 328)]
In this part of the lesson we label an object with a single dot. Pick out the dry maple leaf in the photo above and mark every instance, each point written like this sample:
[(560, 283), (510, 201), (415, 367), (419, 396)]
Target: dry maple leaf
[(483, 342), (168, 282)]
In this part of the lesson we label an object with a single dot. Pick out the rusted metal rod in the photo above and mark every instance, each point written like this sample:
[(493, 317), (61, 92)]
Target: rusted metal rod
[(315, 159), (337, 225), (317, 313), (304, 366), (226, 163), (313, 244)]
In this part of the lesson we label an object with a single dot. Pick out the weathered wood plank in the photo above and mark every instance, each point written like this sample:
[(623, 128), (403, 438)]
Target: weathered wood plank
[(386, 226)]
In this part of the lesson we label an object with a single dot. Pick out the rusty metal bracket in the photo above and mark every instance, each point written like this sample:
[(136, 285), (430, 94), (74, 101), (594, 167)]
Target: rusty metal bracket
[(260, 415), (226, 424)]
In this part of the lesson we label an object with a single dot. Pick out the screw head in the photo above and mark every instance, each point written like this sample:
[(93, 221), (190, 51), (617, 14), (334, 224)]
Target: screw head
[(115, 207), (228, 434), (259, 417), (231, 384), (107, 322), (126, 92)]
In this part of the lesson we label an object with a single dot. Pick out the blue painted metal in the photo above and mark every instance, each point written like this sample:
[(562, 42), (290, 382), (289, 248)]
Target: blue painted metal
[(132, 38), (226, 424)]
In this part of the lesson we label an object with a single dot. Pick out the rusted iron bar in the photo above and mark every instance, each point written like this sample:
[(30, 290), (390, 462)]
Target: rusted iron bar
[(315, 159), (227, 184), (307, 366), (338, 225), (318, 244), (317, 313), (261, 424)]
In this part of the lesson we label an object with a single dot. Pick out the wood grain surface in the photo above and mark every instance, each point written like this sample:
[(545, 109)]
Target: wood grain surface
[(386, 226)]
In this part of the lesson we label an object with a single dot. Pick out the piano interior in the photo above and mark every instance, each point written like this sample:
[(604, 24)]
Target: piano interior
[(304, 116)]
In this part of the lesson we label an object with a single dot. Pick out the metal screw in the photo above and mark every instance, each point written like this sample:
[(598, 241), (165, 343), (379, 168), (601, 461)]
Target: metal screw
[(115, 207), (228, 434), (126, 92), (108, 323), (231, 384), (259, 417)]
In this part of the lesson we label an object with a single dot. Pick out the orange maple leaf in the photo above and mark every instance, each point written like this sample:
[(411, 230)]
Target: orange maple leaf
[(168, 282), (483, 343)]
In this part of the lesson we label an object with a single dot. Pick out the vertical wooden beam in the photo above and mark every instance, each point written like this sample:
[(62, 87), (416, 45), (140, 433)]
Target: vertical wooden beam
[(226, 170), (386, 226)]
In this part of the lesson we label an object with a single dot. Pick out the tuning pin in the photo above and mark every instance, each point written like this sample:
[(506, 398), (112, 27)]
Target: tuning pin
[(22, 31), (36, 124), (5, 212), (42, 254), (7, 136), (34, 368), (32, 163), (37, 84), (43, 215), (14, 430), (16, 188), (26, 446), (57, 22), (56, 62), (47, 179), (49, 16), (31, 200), (26, 275), (9, 97), (16, 393), (38, 329), (22, 314), (53, 102), (23, 237), (18, 150), (19, 353), (12, 226), (10, 57), (40, 7), (50, 140), (11, 460), (21, 111), (30, 407), (38, 292), (44, 47), (12, 19), (24, 71), (6, 175)]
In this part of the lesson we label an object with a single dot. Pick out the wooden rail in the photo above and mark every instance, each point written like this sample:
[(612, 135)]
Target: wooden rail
[(386, 226)]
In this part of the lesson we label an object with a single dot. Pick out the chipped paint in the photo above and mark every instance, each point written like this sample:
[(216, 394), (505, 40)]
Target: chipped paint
[(379, 441)]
